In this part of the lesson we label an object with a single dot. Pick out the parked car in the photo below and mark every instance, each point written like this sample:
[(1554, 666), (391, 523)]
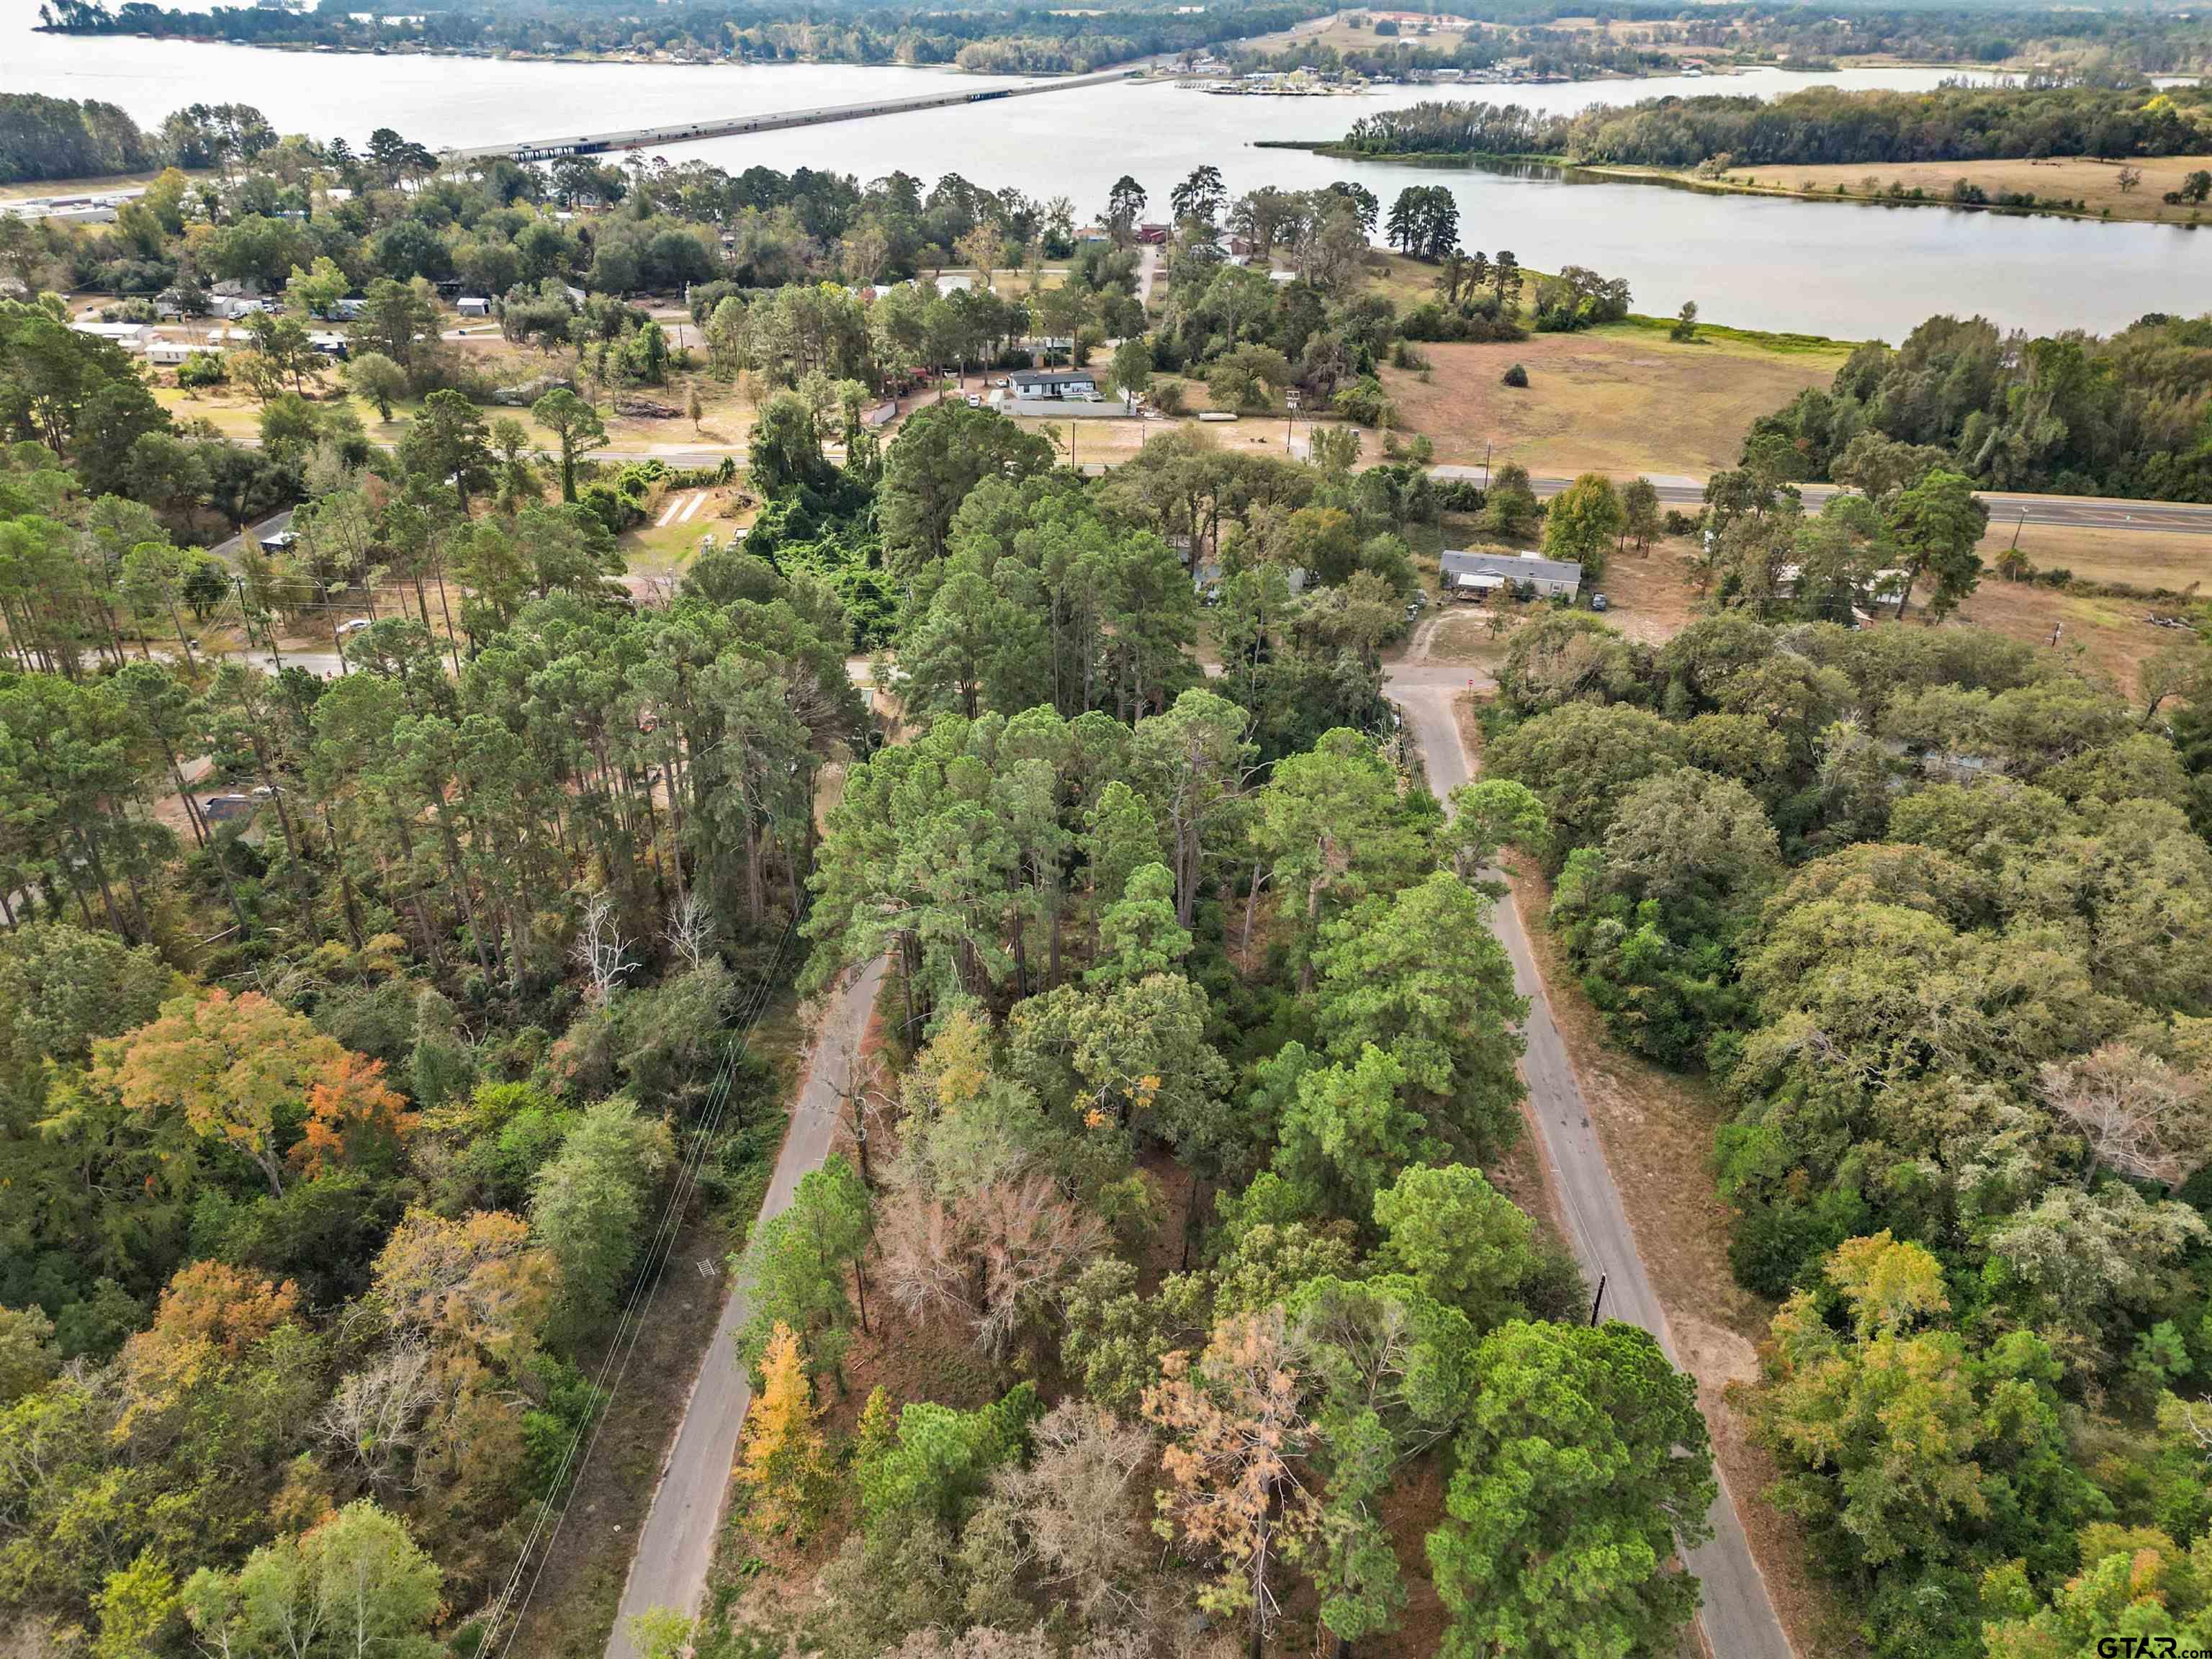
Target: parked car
[(351, 626), (1598, 602), (283, 541)]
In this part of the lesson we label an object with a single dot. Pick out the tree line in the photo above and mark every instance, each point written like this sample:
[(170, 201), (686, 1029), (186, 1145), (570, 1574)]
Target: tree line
[(2129, 414), (997, 40), (1928, 908), (46, 137), (1812, 126)]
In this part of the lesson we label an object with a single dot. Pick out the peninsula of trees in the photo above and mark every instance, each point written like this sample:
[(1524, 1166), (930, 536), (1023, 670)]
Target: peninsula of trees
[(1808, 127)]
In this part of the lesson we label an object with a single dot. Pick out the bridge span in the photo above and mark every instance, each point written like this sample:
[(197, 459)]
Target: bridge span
[(597, 143)]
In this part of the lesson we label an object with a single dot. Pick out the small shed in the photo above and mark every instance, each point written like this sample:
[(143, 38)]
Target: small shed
[(473, 305)]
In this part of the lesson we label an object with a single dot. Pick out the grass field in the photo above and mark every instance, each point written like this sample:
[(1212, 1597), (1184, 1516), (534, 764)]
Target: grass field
[(1342, 35), (2108, 634), (1113, 441), (2123, 558), (656, 551), (1615, 400), (726, 416), (98, 184), (2095, 184)]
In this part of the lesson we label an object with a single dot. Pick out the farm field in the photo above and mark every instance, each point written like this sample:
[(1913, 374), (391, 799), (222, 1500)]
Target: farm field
[(2095, 184), (1622, 401)]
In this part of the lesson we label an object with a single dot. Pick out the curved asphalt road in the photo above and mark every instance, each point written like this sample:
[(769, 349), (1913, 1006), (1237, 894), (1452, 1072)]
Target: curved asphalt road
[(676, 1544), (1738, 1618), (2006, 507)]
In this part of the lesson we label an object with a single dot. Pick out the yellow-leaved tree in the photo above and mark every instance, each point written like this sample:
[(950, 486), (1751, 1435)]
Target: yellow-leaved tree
[(783, 1459)]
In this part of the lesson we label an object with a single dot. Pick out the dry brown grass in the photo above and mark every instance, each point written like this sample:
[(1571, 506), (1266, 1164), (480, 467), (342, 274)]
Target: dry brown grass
[(2095, 184), (1342, 36), (1620, 403), (2108, 634), (2123, 557), (2113, 637)]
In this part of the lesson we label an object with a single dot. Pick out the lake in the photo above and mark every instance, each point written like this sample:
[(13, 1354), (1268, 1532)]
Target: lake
[(1853, 271)]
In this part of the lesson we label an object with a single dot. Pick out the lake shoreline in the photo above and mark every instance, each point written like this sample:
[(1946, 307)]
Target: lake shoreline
[(1672, 179)]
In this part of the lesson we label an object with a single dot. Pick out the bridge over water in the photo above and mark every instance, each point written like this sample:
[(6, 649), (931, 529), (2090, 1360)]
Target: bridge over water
[(547, 149)]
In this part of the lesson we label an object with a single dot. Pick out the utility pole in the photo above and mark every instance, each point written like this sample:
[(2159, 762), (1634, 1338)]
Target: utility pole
[(269, 629), (1597, 1301)]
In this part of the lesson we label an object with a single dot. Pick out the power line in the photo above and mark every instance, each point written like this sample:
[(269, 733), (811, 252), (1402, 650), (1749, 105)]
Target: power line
[(644, 1289)]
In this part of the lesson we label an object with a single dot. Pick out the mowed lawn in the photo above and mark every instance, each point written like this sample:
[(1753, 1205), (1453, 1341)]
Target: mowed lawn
[(1622, 402), (2095, 184)]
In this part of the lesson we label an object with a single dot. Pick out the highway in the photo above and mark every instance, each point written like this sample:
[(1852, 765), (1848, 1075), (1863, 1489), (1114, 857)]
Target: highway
[(597, 143), (2006, 507), (676, 1544), (1738, 1617)]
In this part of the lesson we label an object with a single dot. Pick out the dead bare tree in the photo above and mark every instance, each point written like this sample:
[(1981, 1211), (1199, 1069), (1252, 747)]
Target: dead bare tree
[(1082, 1501), (376, 1417), (690, 932), (2137, 1113), (998, 1257), (1237, 1433), (600, 948)]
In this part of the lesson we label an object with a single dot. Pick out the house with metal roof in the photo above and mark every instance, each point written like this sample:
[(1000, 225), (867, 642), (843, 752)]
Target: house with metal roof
[(1060, 383), (1475, 576)]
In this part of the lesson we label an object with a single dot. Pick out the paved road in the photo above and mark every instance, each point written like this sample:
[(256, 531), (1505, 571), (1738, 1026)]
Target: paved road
[(2006, 507), (1738, 1617), (676, 1545), (262, 531)]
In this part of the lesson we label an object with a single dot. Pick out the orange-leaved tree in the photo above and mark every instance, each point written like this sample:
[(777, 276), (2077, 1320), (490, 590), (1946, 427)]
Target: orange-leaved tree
[(245, 1070)]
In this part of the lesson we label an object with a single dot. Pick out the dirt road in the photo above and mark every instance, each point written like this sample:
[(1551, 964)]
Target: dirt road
[(676, 1545), (1738, 1617)]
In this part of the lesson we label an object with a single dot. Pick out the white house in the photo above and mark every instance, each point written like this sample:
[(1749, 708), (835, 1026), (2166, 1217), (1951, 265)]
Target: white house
[(1476, 575), (1065, 384), (131, 337)]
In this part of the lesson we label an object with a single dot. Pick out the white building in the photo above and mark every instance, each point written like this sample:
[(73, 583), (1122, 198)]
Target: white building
[(1477, 575), (131, 337)]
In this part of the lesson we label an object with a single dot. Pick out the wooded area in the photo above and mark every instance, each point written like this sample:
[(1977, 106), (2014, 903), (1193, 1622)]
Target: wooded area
[(1814, 125), (1163, 1294)]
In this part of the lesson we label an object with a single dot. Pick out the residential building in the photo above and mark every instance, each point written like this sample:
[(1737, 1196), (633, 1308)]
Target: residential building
[(1476, 575), (1079, 384), (131, 337)]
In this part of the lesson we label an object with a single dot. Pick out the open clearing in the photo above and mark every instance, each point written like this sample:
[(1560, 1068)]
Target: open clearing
[(2112, 636), (1343, 34), (2175, 561), (1616, 401), (2095, 184), (725, 416)]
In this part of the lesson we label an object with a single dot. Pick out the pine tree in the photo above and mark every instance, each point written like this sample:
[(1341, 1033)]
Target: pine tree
[(783, 1447)]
